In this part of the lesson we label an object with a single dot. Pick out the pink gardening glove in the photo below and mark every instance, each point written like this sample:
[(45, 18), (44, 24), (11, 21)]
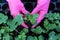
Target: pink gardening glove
[(16, 7), (41, 9)]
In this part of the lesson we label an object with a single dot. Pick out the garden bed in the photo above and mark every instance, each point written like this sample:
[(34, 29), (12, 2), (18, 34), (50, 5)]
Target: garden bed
[(48, 29)]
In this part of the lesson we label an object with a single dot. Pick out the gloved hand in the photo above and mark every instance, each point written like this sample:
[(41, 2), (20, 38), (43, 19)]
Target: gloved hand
[(16, 7), (41, 9)]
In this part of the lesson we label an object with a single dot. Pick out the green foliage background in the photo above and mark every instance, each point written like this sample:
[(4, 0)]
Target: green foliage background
[(51, 24)]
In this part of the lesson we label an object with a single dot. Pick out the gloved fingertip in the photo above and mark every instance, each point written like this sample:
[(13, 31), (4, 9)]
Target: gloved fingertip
[(33, 26), (26, 27)]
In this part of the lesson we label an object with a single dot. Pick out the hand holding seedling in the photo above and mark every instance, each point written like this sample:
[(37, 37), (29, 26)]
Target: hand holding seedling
[(16, 7), (41, 9)]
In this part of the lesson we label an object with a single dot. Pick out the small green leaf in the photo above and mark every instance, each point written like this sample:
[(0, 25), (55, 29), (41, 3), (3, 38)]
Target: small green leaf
[(30, 38), (58, 28), (38, 30), (16, 38), (6, 37), (15, 22), (7, 29), (3, 18), (49, 16), (27, 16), (51, 26), (35, 38), (18, 20), (21, 36), (52, 36), (2, 30), (25, 30), (33, 19), (52, 33), (12, 26), (46, 23), (40, 37)]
